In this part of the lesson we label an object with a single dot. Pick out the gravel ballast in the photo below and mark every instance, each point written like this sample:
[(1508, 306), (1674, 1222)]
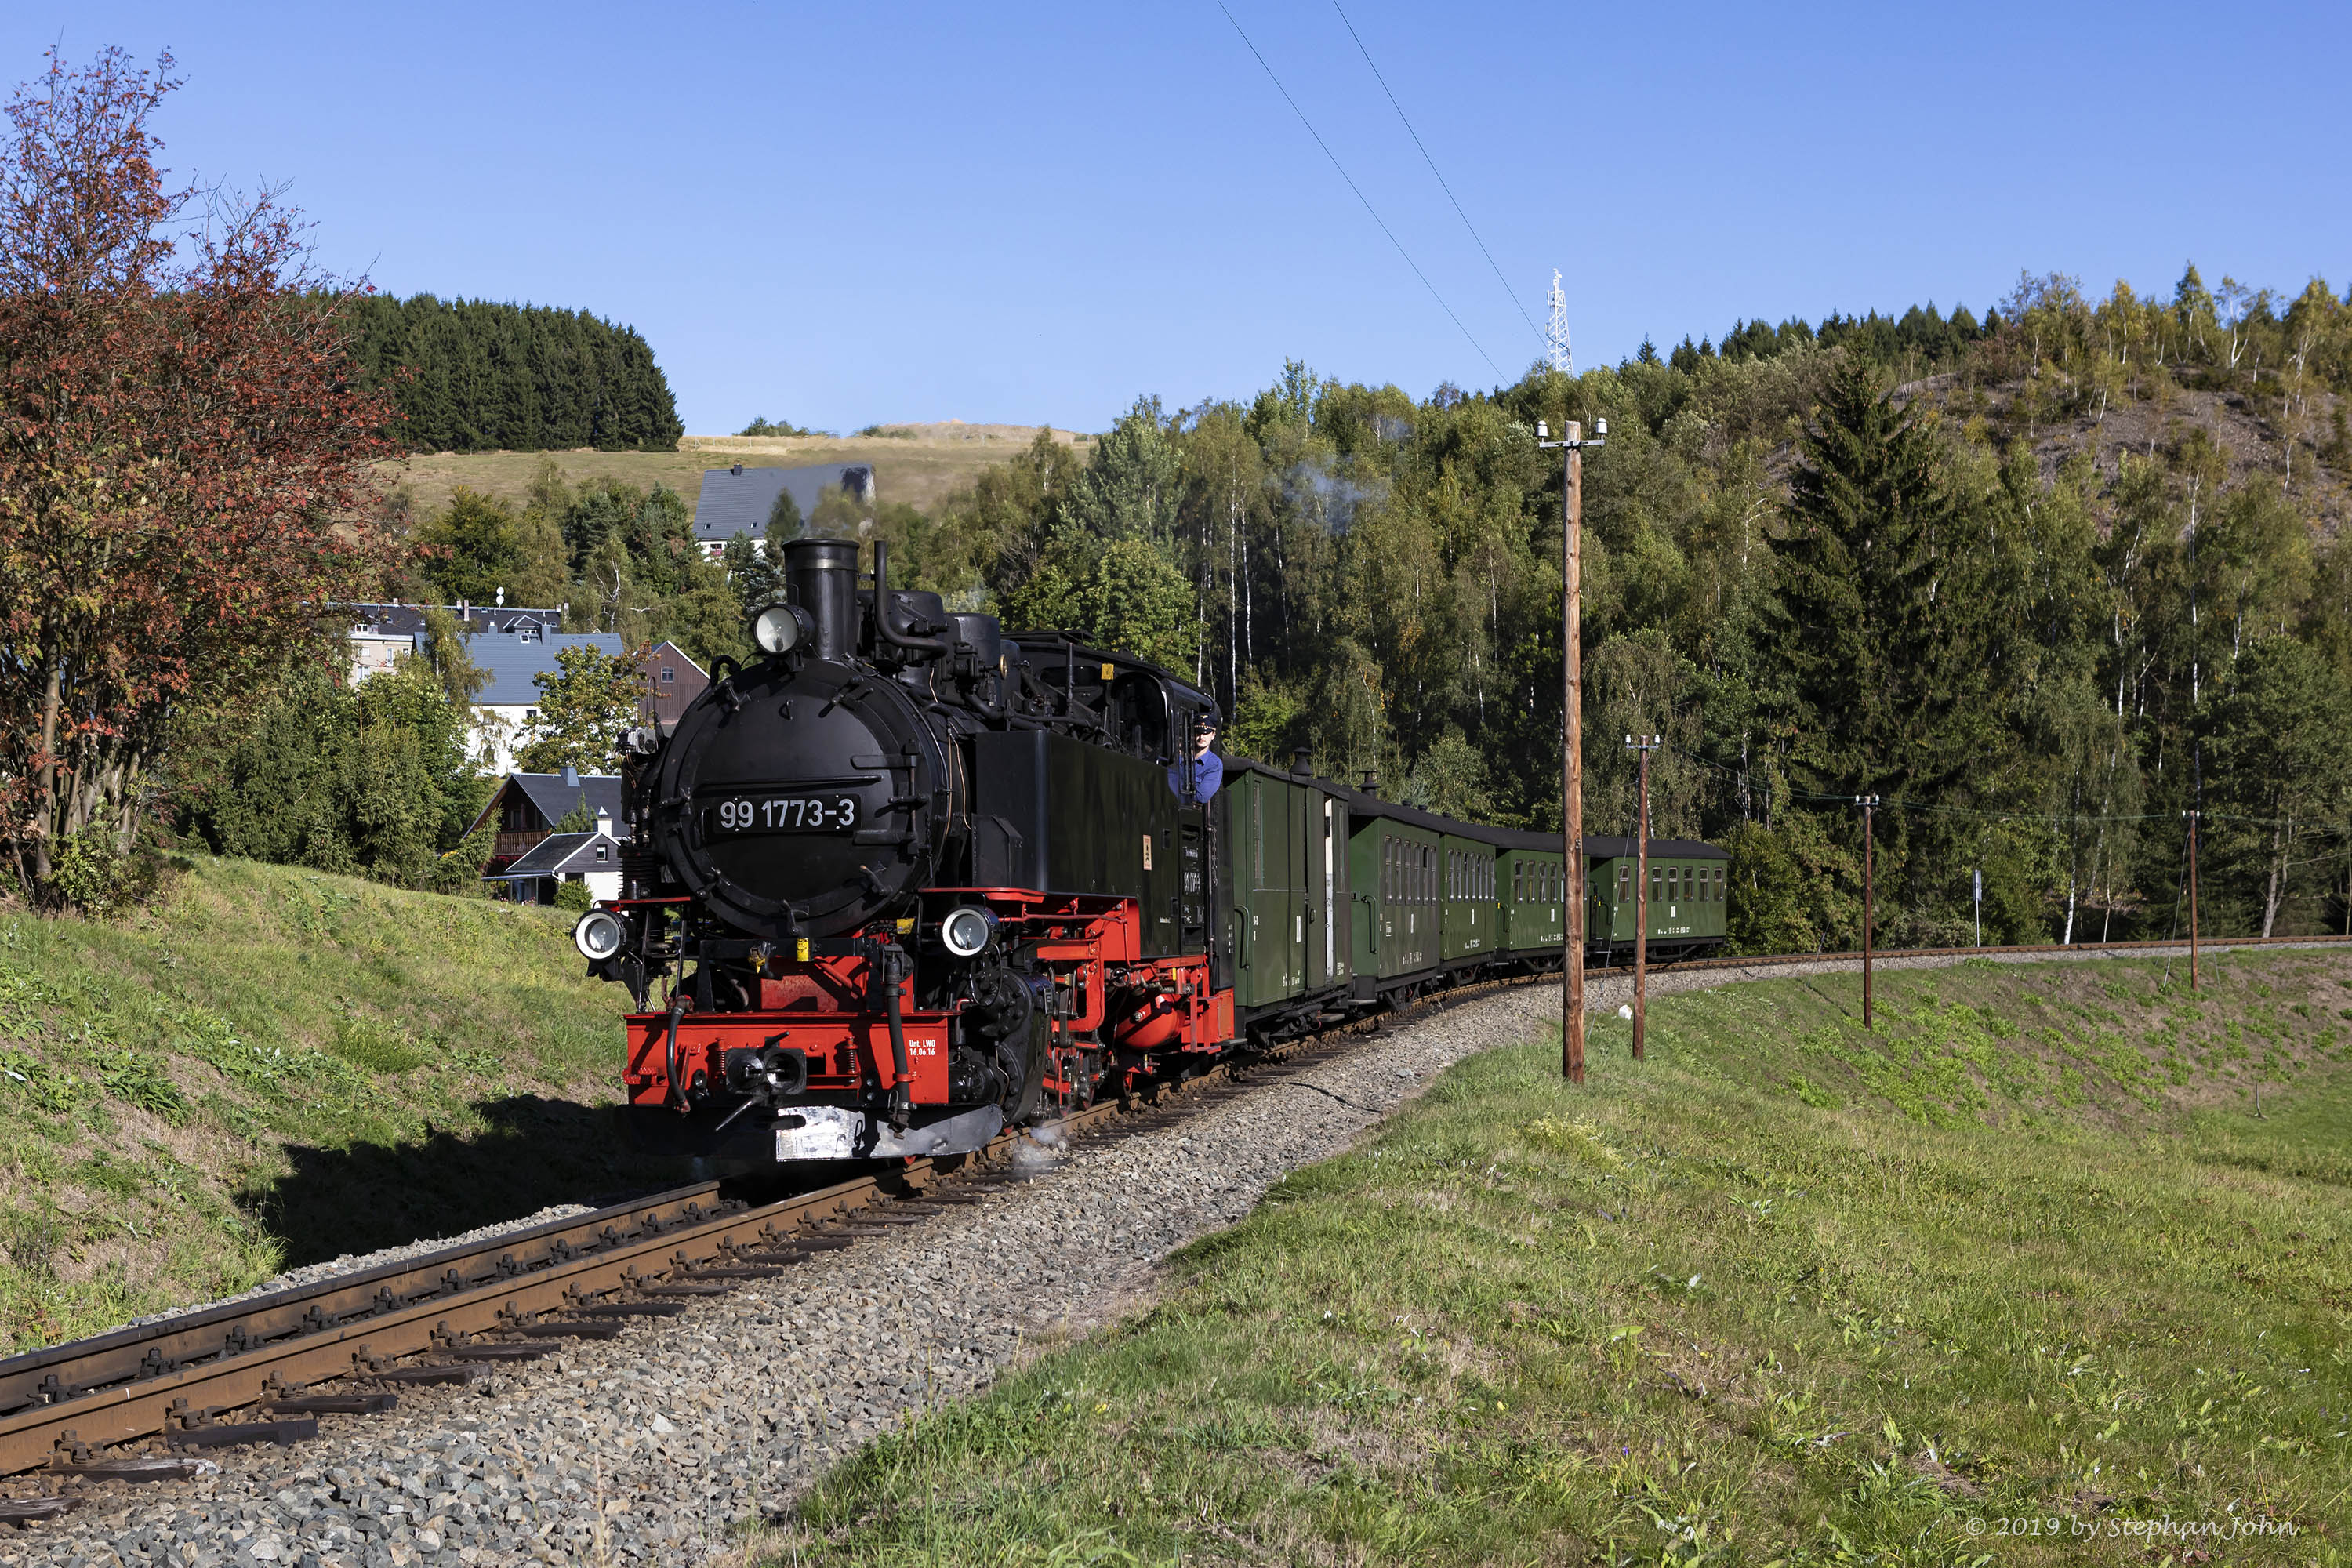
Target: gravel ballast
[(655, 1448)]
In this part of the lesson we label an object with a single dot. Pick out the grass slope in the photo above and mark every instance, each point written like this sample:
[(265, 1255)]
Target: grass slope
[(1784, 1292), (919, 468), (275, 1065)]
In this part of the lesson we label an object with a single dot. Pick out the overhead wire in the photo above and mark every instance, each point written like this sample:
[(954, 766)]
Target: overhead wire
[(1425, 158), (1376, 217)]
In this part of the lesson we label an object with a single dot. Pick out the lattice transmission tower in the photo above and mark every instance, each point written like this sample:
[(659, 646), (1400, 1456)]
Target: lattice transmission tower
[(1556, 352)]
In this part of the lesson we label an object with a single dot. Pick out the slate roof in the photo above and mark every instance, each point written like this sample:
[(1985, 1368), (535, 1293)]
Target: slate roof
[(562, 855), (554, 799), (738, 500), (408, 620), (510, 663)]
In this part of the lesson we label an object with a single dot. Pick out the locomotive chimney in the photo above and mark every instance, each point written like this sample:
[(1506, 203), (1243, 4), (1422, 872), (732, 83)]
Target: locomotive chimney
[(1298, 756), (821, 577)]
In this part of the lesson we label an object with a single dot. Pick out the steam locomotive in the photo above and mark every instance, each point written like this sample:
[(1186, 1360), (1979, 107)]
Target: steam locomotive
[(899, 882)]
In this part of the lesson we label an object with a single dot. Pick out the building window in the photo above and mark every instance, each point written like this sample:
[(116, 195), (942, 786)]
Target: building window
[(668, 675)]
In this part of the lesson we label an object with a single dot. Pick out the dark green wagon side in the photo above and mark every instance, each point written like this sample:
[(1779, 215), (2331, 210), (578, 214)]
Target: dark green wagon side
[(1689, 884), (1396, 867), (1529, 883), (1283, 843)]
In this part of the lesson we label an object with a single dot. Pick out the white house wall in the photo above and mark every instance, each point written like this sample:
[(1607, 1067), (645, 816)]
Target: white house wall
[(498, 730)]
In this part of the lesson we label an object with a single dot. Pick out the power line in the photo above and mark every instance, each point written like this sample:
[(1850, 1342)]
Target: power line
[(2314, 830), (1401, 250), (1432, 169)]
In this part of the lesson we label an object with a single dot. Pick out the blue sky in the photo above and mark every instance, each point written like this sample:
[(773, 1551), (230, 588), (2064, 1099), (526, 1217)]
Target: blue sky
[(838, 215)]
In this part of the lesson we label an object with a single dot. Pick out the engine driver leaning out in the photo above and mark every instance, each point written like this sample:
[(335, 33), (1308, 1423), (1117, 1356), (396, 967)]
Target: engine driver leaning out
[(1208, 768)]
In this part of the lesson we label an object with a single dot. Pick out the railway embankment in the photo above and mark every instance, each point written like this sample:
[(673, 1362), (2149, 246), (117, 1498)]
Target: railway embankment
[(673, 1442), (271, 1068), (2051, 1261), (1339, 1316)]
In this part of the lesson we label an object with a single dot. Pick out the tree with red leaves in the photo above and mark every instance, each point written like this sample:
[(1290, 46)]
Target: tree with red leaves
[(180, 457)]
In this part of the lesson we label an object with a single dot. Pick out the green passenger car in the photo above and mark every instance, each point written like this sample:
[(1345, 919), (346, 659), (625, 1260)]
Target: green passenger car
[(1283, 842), (1335, 893), (1689, 884), (1529, 883), (1399, 891), (1468, 921)]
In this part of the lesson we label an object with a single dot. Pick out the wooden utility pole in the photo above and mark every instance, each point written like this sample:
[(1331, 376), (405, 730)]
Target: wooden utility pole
[(1571, 743), (1644, 745), (1869, 804), (2192, 816)]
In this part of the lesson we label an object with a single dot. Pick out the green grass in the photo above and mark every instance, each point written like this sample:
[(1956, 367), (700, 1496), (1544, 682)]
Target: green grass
[(920, 472), (273, 1066), (1783, 1292)]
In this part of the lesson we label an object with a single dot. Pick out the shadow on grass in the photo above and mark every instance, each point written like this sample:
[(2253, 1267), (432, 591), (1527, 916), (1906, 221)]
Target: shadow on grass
[(533, 1152)]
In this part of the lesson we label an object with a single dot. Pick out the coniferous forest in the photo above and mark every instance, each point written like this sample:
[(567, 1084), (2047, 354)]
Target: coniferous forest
[(467, 375)]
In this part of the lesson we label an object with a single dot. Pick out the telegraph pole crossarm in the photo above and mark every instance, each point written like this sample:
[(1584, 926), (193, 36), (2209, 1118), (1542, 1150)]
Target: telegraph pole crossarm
[(1571, 749)]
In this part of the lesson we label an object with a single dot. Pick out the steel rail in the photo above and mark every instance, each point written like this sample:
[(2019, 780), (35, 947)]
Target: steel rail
[(173, 1377), (1896, 955)]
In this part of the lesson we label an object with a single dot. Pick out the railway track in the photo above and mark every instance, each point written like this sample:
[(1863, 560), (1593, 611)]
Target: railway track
[(1898, 954), (264, 1369)]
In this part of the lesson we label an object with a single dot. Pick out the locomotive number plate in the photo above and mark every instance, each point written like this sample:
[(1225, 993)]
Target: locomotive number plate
[(785, 814)]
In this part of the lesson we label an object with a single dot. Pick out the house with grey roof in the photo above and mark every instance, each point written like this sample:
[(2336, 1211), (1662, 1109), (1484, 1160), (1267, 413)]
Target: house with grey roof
[(534, 876), (738, 500), (506, 709), (382, 634), (524, 812), (511, 644)]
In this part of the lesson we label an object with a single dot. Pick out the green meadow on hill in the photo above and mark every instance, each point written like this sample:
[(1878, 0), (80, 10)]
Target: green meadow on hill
[(273, 1066), (2057, 1255)]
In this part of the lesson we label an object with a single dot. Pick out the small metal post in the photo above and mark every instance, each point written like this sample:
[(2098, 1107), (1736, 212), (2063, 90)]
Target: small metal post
[(1644, 745), (1869, 804), (2192, 816), (1979, 878)]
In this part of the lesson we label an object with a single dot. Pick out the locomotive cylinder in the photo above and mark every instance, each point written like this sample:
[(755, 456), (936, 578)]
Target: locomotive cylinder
[(821, 577)]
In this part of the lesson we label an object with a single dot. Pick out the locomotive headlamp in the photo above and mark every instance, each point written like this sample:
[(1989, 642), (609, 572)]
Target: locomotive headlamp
[(968, 930), (598, 936), (780, 628)]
